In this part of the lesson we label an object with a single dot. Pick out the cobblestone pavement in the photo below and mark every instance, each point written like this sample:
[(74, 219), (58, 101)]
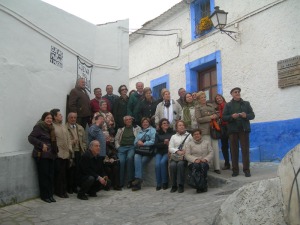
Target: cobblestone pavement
[(146, 206)]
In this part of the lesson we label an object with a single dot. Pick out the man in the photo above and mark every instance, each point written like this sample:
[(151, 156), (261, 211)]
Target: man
[(92, 177), (78, 140), (237, 113), (64, 149), (79, 102), (95, 103), (95, 133), (124, 143), (134, 99), (181, 93), (110, 96)]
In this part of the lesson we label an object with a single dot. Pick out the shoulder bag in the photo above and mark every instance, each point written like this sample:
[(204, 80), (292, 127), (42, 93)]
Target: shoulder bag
[(146, 150), (176, 157), (215, 130)]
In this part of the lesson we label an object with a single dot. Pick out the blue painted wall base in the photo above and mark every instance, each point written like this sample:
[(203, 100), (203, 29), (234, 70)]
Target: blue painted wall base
[(270, 141)]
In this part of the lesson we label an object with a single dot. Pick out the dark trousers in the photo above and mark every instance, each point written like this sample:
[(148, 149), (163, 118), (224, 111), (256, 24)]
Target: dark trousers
[(89, 185), (73, 173), (243, 138), (177, 172), (83, 121), (62, 166), (45, 169), (225, 145), (113, 172)]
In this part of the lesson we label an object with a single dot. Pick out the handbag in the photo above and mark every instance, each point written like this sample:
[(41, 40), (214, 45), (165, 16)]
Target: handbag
[(145, 150), (215, 130), (176, 157)]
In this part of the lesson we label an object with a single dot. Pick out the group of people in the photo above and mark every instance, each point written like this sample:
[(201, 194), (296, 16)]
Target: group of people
[(119, 126)]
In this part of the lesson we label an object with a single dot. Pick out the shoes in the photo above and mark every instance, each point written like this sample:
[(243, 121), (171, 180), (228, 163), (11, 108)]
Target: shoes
[(201, 190), (106, 188), (46, 200), (52, 199), (173, 189), (75, 190), (70, 192), (165, 186), (136, 187), (234, 174), (180, 189), (218, 171), (82, 197), (226, 167), (136, 181), (158, 188), (117, 188), (129, 185), (92, 194), (247, 174), (66, 195)]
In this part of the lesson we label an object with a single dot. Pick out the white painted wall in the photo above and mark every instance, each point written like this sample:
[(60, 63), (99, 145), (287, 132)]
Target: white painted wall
[(269, 33), (30, 84)]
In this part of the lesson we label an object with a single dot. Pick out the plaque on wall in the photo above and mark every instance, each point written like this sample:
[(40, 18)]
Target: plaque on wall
[(288, 72)]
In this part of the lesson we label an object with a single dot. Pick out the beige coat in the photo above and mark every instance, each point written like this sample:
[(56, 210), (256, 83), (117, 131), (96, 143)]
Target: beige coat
[(199, 150), (177, 113), (63, 141), (202, 115), (80, 139)]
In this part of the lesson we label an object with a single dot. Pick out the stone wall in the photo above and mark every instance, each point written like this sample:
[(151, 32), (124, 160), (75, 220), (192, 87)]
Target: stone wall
[(272, 201)]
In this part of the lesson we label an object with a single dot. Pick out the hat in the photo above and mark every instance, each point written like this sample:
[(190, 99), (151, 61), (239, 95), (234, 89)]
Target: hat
[(236, 88)]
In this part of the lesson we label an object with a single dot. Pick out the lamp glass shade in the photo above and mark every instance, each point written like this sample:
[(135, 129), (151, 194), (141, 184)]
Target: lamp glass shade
[(219, 18)]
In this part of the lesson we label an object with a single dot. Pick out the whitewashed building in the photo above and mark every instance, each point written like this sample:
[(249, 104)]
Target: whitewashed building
[(169, 52), (42, 52)]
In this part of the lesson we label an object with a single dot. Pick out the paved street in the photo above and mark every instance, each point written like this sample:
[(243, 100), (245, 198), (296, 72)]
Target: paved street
[(146, 206)]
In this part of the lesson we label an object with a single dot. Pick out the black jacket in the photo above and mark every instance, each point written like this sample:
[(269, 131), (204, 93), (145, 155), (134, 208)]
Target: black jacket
[(232, 123), (90, 165)]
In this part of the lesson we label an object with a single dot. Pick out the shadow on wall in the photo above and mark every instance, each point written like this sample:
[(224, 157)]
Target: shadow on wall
[(270, 141)]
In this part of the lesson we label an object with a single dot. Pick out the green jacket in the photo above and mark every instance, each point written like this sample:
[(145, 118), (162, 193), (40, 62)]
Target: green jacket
[(232, 123), (133, 102)]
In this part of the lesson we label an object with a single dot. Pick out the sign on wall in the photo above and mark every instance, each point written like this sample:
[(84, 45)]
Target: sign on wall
[(84, 71), (56, 56), (288, 72)]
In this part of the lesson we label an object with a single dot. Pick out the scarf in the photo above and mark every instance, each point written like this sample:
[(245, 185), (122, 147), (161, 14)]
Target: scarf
[(51, 130), (168, 111)]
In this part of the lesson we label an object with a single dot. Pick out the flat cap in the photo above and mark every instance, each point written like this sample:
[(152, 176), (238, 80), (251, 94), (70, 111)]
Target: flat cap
[(236, 88)]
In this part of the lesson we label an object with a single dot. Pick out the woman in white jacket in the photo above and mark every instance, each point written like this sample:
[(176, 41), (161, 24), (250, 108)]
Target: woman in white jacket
[(169, 109), (176, 146)]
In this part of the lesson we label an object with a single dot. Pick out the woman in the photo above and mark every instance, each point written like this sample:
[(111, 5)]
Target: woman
[(188, 112), (111, 162), (147, 106), (220, 101), (145, 137), (177, 146), (199, 155), (169, 109), (205, 112), (120, 106), (44, 152), (162, 139), (108, 126)]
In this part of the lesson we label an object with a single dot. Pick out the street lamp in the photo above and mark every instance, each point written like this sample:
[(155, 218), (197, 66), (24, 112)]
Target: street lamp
[(219, 20)]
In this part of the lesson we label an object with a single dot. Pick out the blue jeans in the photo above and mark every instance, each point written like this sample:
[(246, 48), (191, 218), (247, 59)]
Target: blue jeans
[(139, 162), (126, 156), (161, 166)]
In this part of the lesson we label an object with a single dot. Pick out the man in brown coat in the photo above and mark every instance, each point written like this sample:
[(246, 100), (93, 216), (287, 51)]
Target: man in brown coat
[(79, 102)]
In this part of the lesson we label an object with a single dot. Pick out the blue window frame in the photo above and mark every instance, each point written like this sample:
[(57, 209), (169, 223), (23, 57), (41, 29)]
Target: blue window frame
[(200, 9), (159, 83)]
